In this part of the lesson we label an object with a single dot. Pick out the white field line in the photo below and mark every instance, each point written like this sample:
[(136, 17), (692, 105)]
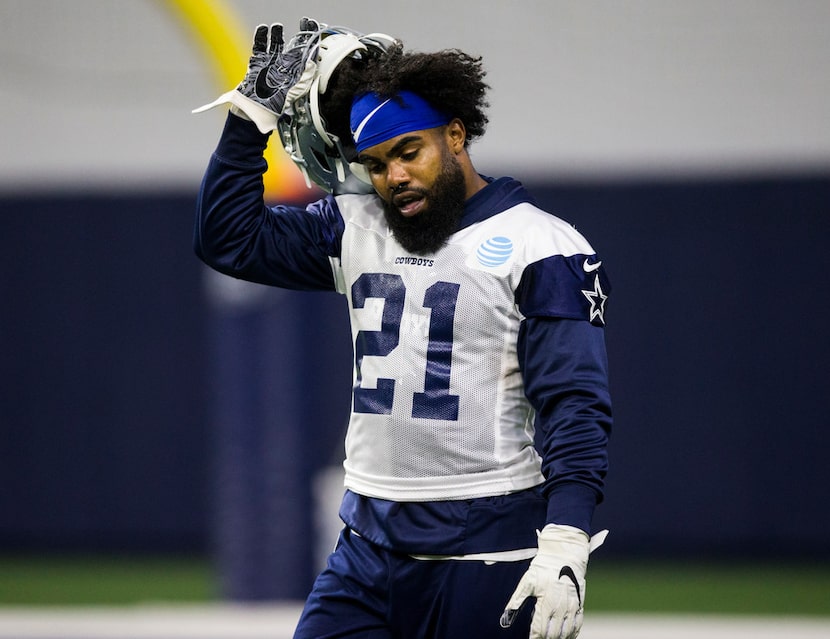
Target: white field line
[(631, 626), (277, 622)]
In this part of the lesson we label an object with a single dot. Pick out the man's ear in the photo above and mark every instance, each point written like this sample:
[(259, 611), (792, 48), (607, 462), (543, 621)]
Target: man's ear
[(456, 135)]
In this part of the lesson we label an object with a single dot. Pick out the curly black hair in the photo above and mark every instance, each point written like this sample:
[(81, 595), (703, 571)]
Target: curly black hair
[(450, 80)]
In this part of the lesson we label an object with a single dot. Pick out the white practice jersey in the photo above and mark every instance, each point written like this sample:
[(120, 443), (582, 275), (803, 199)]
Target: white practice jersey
[(439, 410)]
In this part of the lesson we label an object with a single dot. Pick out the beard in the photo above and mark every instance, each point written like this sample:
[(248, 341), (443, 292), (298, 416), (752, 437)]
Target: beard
[(428, 231)]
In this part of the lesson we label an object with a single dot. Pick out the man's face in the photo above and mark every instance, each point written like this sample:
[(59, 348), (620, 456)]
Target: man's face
[(422, 187)]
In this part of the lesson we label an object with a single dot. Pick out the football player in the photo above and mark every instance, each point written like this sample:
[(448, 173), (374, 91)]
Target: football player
[(478, 326)]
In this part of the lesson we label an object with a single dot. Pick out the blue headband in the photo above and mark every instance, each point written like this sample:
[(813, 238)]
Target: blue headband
[(375, 119)]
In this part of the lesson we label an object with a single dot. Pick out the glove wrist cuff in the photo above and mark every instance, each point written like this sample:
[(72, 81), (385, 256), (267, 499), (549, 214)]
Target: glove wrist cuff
[(561, 532), (265, 119)]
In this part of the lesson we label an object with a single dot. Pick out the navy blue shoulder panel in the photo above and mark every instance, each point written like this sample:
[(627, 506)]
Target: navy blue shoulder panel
[(569, 287)]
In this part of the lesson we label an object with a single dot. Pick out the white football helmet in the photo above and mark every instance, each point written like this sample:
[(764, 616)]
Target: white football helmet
[(319, 154)]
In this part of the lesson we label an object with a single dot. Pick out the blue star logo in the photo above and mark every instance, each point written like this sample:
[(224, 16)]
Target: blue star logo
[(597, 299)]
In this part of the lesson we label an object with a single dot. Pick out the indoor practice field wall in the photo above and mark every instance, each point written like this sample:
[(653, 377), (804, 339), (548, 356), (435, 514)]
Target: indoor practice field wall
[(147, 407)]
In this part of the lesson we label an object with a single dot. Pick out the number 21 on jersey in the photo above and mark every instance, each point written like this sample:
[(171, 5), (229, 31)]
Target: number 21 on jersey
[(435, 402)]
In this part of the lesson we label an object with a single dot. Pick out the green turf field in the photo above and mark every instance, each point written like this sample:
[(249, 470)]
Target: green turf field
[(775, 589), (612, 587), (104, 580)]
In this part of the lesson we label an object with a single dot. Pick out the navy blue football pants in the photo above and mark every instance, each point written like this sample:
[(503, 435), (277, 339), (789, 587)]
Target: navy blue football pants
[(368, 592)]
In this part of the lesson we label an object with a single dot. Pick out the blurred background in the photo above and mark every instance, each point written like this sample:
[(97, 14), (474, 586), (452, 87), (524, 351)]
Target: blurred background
[(185, 424)]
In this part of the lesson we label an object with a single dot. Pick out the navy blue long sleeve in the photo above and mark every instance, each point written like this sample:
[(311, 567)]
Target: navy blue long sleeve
[(565, 369), (237, 234)]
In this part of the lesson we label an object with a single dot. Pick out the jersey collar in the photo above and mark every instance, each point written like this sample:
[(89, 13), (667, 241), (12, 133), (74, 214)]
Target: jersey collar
[(499, 195)]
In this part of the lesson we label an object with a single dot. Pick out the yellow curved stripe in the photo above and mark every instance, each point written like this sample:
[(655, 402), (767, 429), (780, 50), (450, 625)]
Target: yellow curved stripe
[(226, 47)]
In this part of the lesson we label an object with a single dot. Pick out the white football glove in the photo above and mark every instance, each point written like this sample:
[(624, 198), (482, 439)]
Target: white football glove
[(272, 70), (556, 578)]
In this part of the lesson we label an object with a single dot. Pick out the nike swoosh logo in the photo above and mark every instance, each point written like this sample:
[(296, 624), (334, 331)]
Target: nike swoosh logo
[(590, 268), (359, 130), (262, 88), (568, 572)]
